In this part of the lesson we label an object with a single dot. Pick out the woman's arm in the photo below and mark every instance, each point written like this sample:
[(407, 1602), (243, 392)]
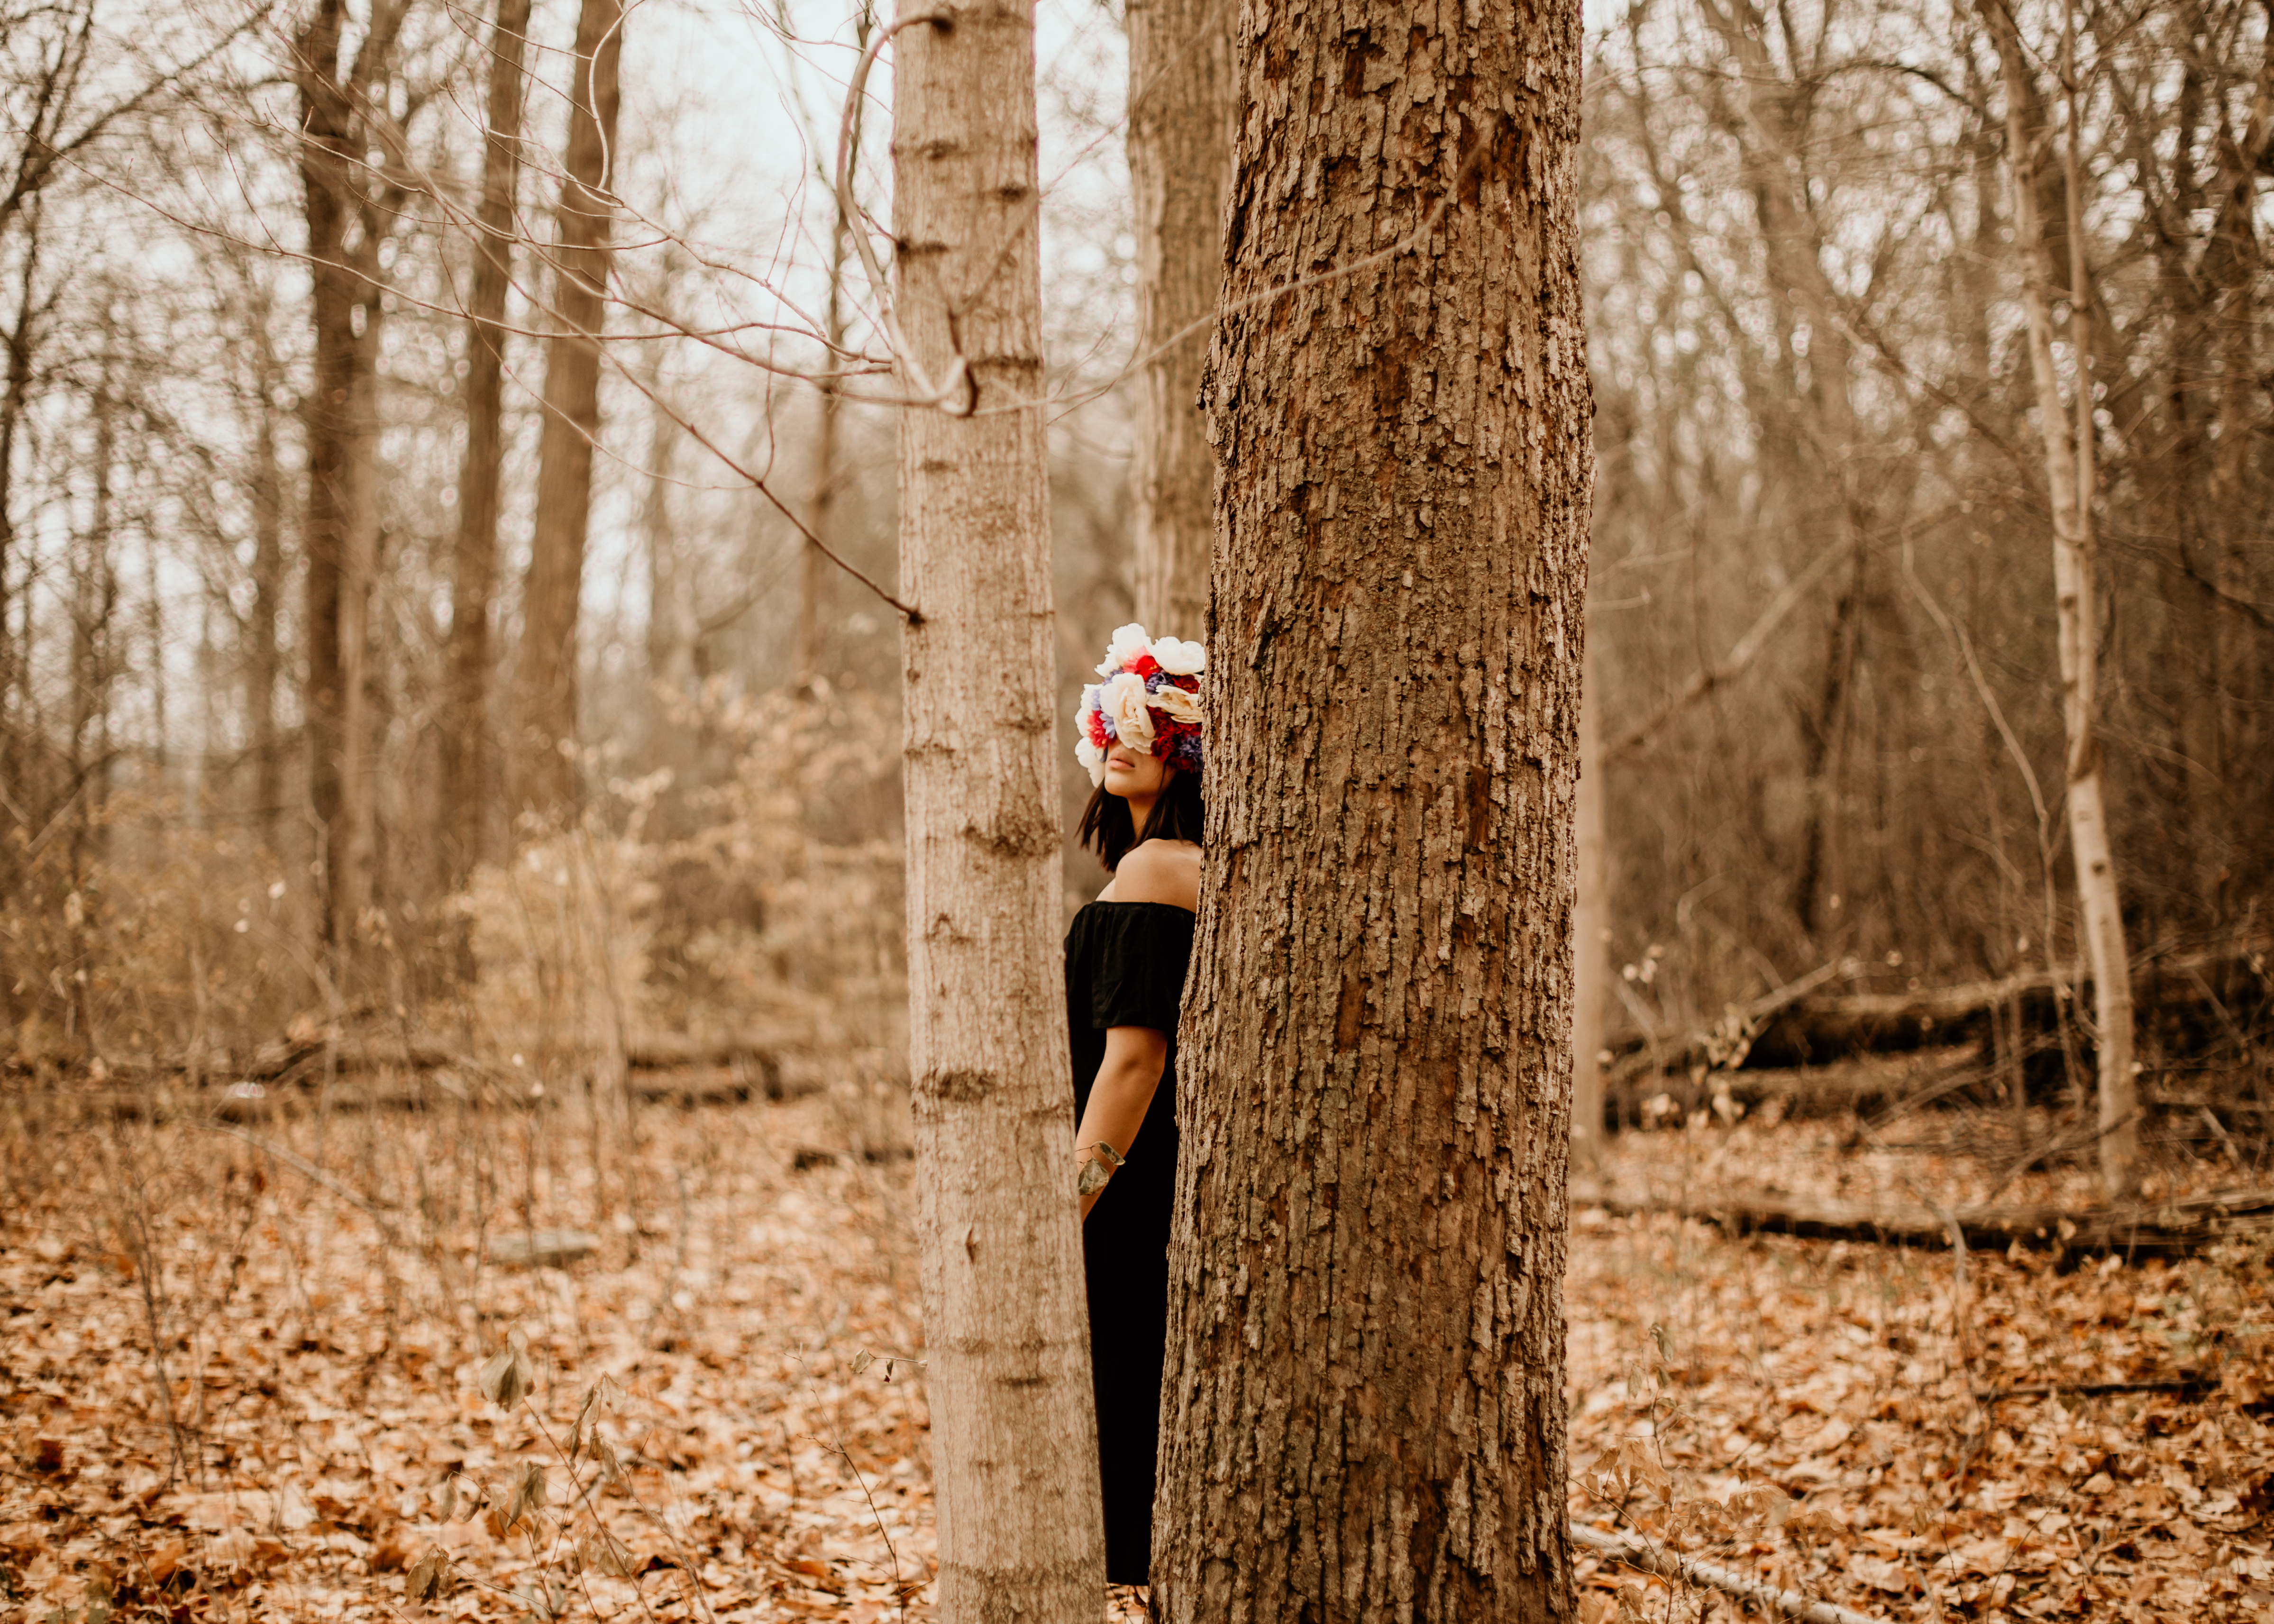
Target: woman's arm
[(1135, 1057)]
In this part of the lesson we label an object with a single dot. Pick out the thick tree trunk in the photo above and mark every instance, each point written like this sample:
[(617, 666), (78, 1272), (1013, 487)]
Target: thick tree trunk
[(1179, 143), (2070, 489), (466, 740), (544, 687), (1015, 1438), (337, 423), (1591, 918), (1364, 1417)]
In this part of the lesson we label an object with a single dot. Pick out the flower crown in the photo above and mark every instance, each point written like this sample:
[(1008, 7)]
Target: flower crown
[(1148, 699)]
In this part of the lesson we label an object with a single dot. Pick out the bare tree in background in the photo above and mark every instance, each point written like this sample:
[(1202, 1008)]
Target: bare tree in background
[(1022, 1534), (1591, 920), (346, 223), (1179, 144), (545, 680), (467, 742), (2072, 487), (1365, 1415)]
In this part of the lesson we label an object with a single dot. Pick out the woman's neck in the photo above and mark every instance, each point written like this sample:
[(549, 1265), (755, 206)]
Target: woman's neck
[(1140, 808)]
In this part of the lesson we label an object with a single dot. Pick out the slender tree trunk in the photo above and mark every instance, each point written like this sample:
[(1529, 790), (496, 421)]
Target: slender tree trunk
[(17, 347), (337, 427), (2069, 479), (673, 628), (264, 664), (466, 738), (2233, 266), (1014, 1437), (1365, 1414), (1179, 143), (545, 689), (1820, 754), (1591, 918), (813, 582), (94, 662)]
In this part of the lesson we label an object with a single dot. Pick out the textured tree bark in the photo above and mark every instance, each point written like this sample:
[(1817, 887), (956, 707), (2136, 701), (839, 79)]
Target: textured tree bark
[(1179, 145), (2070, 488), (1014, 1437), (544, 678), (1364, 1417), (466, 739)]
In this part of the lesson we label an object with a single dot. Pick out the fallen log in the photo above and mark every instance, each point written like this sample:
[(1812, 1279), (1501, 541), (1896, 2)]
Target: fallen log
[(2189, 1001), (295, 1058), (250, 1100), (1725, 1045), (1863, 1083), (2154, 1230)]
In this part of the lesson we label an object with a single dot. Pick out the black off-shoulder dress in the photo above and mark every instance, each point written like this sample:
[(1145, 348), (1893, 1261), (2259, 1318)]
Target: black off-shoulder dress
[(1125, 967)]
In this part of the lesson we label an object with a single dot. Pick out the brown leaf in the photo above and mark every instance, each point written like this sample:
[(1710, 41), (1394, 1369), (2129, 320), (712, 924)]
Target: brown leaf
[(425, 1581), (508, 1377)]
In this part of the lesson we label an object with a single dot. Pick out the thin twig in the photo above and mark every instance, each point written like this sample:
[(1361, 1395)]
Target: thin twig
[(1672, 1565)]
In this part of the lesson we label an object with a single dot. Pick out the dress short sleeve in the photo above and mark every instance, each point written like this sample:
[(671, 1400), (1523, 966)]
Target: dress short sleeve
[(1137, 968)]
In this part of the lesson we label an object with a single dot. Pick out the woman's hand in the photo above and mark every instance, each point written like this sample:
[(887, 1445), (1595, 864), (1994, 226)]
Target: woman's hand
[(1135, 1057)]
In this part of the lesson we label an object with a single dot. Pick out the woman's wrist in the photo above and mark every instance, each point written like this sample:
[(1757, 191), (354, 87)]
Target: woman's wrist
[(1098, 1162)]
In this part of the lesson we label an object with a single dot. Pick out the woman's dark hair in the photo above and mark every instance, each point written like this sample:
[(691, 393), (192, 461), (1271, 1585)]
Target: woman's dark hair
[(1108, 829)]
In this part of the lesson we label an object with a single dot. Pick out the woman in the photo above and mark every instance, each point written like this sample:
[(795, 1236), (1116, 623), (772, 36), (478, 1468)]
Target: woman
[(1125, 969)]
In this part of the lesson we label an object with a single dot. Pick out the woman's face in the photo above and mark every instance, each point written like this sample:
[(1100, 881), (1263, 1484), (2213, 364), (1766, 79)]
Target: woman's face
[(1133, 772)]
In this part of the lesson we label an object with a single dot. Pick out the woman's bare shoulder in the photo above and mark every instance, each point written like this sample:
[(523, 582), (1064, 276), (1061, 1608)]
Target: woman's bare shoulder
[(1160, 871)]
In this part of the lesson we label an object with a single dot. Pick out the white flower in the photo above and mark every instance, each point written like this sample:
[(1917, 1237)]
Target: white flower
[(1128, 642), (1124, 700), (1180, 659), (1093, 761), (1173, 702)]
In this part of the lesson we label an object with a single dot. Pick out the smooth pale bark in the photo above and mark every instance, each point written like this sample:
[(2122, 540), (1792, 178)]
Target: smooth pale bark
[(1179, 146), (1364, 1417), (338, 424), (466, 739), (1015, 1438), (1591, 919), (2070, 488), (544, 678)]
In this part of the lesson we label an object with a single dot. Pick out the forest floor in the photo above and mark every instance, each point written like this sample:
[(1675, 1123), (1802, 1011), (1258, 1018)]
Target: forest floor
[(728, 1369)]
